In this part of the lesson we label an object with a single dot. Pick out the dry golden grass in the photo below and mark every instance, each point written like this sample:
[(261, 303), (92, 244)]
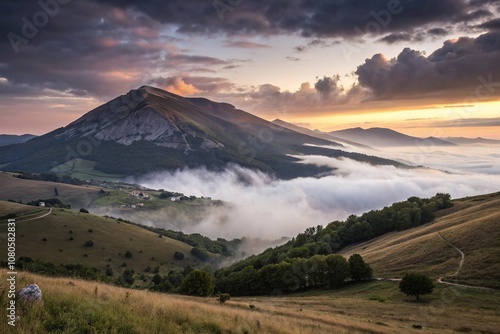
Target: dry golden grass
[(29, 190), (75, 306), (473, 225)]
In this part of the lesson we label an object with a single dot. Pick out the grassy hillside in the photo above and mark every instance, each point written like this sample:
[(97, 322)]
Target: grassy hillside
[(60, 237), (30, 190), (76, 306), (472, 225)]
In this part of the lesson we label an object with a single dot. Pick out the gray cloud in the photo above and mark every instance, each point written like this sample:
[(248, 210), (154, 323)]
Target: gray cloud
[(467, 65), (396, 37), (245, 45)]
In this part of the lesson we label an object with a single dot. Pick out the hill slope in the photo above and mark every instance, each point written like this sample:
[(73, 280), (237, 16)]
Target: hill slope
[(149, 129), (31, 190), (381, 137), (471, 225), (60, 237)]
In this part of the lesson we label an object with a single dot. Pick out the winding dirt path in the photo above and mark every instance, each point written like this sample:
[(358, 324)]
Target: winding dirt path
[(461, 263), (461, 260)]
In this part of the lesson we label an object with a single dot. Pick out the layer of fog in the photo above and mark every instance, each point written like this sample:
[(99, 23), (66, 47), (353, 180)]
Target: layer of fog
[(475, 158), (263, 207)]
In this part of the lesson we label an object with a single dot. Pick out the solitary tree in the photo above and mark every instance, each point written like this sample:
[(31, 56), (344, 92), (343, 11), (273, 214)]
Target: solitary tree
[(56, 192), (416, 284), (360, 270), (198, 283)]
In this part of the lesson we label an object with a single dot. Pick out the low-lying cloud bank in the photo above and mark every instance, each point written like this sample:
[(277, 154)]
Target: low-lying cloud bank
[(267, 208)]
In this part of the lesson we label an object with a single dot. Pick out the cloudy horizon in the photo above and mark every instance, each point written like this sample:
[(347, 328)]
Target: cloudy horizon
[(415, 66)]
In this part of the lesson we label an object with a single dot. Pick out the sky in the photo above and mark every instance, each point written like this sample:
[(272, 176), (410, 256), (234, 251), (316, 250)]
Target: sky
[(422, 67)]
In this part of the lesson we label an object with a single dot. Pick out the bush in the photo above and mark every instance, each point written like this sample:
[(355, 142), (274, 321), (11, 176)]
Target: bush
[(82, 210), (109, 271), (89, 243), (128, 276), (223, 297), (128, 254), (179, 255)]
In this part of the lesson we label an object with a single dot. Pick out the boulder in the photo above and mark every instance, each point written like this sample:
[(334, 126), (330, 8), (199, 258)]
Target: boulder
[(31, 293)]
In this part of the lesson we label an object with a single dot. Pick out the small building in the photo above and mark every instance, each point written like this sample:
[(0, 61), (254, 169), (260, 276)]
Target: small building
[(140, 205), (175, 199), (42, 204)]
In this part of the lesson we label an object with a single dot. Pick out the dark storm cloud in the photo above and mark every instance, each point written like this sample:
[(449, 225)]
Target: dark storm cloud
[(308, 18), (491, 25), (321, 43), (473, 15), (86, 48), (437, 32), (396, 37), (467, 65)]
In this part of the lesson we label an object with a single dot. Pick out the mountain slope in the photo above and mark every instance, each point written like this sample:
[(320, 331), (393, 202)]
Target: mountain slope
[(471, 225), (381, 137), (14, 139), (149, 129)]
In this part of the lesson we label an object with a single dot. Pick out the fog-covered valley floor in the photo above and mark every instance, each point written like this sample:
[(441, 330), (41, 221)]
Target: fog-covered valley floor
[(263, 207)]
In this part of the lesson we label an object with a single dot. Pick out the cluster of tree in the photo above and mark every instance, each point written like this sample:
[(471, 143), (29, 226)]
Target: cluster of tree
[(51, 202), (57, 270), (220, 246), (175, 281), (319, 271), (51, 177)]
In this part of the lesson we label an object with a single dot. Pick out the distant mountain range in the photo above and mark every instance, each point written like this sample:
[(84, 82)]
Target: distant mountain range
[(382, 137), (467, 141), (317, 134), (14, 139), (149, 130)]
